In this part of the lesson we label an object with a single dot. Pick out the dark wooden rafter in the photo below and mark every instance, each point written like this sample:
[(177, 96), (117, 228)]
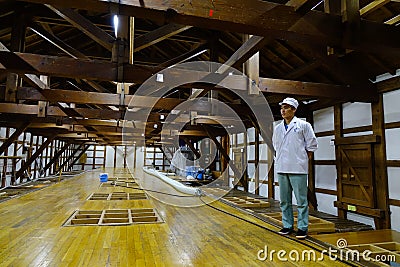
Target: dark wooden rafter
[(79, 155), (56, 156), (37, 153), (158, 35), (266, 19), (39, 29), (14, 136), (191, 146), (197, 49), (220, 148), (55, 66), (71, 156), (83, 24)]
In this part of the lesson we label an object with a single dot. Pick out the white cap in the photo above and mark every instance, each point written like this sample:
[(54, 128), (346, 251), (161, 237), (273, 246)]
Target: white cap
[(290, 101)]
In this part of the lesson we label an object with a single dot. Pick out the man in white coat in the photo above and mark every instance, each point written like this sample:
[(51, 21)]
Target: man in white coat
[(294, 142)]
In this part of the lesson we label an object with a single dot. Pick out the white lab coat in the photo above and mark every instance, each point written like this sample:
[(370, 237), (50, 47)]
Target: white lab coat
[(291, 146)]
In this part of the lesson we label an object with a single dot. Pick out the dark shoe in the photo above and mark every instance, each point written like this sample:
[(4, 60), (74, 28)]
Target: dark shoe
[(301, 234), (286, 231)]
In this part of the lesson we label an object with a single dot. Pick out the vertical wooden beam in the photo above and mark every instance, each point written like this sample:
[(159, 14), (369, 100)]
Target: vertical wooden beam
[(70, 156), (245, 177), (14, 161), (271, 175), (5, 162), (104, 156), (381, 177), (94, 156), (338, 124), (70, 167), (312, 198), (252, 69), (257, 160), (34, 156), (115, 156), (17, 45), (125, 154), (42, 105), (333, 7), (56, 156), (351, 18)]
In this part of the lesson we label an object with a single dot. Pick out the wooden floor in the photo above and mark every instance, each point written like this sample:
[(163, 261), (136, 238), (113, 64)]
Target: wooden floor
[(32, 231)]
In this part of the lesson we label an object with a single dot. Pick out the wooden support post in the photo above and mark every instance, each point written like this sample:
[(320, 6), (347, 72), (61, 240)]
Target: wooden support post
[(381, 177), (79, 155), (352, 20), (252, 69), (14, 137), (70, 156), (56, 156), (34, 156), (17, 45), (115, 156), (245, 177), (42, 105), (338, 123), (257, 161), (223, 152), (312, 197), (191, 146)]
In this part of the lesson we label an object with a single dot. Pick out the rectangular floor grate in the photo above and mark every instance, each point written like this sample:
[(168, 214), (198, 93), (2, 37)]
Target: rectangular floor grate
[(117, 196), (315, 225), (120, 183), (247, 202), (114, 217)]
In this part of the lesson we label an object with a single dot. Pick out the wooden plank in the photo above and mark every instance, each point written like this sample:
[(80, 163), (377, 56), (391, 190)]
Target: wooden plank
[(364, 139), (79, 155), (394, 202), (371, 7), (37, 153), (86, 26), (66, 67), (245, 51), (393, 163), (56, 156), (381, 176), (288, 87), (326, 191), (158, 35), (380, 214), (338, 126), (14, 136), (266, 20)]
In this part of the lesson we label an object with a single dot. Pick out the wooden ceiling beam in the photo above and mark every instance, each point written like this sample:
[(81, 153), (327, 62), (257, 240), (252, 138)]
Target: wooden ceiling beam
[(158, 35), (374, 5), (267, 19), (86, 26), (78, 97), (55, 66)]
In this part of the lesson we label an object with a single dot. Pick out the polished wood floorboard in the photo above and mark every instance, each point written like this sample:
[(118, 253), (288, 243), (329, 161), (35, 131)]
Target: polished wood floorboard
[(31, 231)]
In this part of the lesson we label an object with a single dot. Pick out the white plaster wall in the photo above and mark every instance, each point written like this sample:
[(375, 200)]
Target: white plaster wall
[(395, 217), (393, 143), (325, 176), (325, 203), (356, 114), (323, 120), (326, 149), (391, 107)]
